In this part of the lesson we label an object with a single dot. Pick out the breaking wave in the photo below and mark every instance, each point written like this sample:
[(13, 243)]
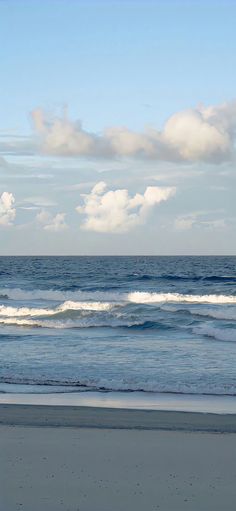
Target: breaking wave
[(66, 306), (145, 324), (144, 297), (88, 322), (138, 297), (220, 334), (57, 295)]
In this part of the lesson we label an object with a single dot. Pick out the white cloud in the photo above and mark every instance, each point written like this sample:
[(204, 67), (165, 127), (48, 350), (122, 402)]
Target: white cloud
[(77, 186), (124, 142), (60, 136), (7, 210), (204, 134), (198, 220), (51, 223), (37, 201), (184, 223), (199, 135), (116, 211)]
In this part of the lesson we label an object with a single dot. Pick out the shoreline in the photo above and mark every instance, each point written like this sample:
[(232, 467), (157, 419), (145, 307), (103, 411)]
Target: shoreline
[(191, 403), (84, 417)]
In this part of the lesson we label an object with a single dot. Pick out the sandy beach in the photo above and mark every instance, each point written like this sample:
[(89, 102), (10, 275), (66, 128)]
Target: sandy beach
[(118, 255), (90, 459)]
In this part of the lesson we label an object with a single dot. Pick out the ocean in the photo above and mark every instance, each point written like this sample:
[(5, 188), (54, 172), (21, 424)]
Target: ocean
[(150, 324)]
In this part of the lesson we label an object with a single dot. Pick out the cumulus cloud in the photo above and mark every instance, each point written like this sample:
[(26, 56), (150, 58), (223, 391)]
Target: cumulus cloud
[(7, 210), (51, 223), (201, 134), (61, 136), (115, 211), (204, 134)]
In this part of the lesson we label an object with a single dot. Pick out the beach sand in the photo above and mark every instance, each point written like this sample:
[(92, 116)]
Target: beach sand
[(90, 459)]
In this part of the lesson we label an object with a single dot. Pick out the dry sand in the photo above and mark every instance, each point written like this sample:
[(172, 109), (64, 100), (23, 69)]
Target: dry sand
[(140, 468)]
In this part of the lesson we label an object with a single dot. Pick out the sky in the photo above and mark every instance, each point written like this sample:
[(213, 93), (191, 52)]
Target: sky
[(117, 127)]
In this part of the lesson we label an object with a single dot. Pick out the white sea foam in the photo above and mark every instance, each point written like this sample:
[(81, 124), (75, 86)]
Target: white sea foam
[(145, 298), (69, 323), (220, 334), (228, 314), (24, 311), (20, 322), (92, 306), (107, 296), (66, 306), (57, 296)]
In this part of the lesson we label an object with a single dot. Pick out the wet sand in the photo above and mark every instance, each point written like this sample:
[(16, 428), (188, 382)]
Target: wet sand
[(114, 418)]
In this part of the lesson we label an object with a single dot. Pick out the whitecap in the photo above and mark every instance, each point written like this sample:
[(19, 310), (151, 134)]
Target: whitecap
[(146, 298)]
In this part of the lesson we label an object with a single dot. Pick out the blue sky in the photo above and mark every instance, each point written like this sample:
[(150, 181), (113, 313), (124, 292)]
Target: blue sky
[(153, 84)]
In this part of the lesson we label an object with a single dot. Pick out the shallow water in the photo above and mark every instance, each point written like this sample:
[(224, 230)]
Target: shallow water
[(153, 324)]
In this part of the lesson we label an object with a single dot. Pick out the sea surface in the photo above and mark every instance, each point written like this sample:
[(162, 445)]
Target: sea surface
[(150, 324)]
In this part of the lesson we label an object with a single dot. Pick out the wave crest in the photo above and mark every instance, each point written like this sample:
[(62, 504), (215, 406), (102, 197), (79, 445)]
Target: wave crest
[(90, 322), (219, 334), (56, 295), (144, 297), (66, 306), (141, 297)]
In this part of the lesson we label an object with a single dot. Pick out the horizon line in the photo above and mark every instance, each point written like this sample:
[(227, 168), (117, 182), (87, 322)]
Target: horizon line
[(117, 255)]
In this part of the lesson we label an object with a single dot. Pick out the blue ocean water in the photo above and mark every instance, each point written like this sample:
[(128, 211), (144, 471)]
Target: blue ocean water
[(159, 324)]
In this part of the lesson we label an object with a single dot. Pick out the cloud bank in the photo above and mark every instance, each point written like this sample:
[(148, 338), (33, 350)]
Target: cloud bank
[(115, 211), (201, 134), (7, 210)]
